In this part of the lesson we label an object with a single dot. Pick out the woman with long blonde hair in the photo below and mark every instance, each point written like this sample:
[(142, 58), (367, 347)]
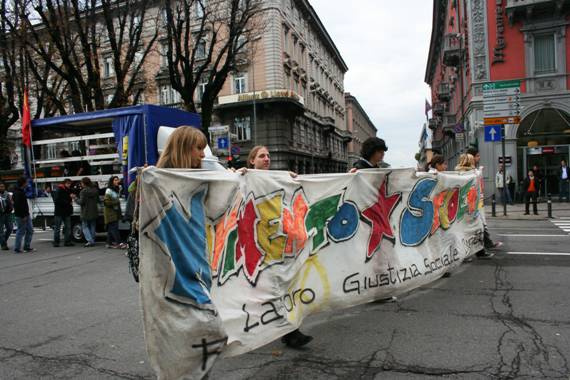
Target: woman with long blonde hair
[(466, 163), (184, 149)]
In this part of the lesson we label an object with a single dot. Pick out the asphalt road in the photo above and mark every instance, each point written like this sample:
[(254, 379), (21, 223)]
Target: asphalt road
[(73, 313)]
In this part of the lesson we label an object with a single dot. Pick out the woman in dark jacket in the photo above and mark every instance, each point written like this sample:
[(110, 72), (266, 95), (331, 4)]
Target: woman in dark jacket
[(112, 213), (89, 201)]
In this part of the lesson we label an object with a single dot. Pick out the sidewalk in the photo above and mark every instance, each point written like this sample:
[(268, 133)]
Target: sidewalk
[(516, 211)]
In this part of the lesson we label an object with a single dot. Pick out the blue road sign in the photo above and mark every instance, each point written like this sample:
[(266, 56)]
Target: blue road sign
[(492, 133), (235, 150), (223, 143)]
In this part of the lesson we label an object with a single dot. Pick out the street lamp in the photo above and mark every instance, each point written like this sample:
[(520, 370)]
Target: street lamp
[(253, 85)]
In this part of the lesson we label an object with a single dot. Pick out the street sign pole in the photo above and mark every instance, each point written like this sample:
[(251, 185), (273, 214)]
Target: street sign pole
[(504, 170)]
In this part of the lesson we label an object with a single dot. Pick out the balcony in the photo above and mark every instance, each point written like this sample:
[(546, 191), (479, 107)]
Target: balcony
[(530, 9), (444, 92), (439, 108), (433, 123), (452, 49)]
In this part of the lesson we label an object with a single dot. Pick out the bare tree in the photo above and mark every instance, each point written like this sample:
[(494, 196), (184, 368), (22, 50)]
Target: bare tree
[(204, 41), (77, 39), (10, 51)]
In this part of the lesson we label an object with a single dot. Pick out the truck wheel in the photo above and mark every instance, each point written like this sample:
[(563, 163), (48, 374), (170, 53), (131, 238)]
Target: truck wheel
[(76, 232)]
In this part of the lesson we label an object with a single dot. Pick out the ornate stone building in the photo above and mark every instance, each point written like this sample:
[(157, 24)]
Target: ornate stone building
[(289, 94)]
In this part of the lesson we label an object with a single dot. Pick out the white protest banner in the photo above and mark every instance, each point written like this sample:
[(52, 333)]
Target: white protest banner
[(230, 263)]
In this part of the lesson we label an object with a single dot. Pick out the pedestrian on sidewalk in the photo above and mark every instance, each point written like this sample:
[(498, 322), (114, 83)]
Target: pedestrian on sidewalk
[(530, 187), (89, 201), (372, 155), (539, 176), (63, 201), (23, 218), (6, 208), (564, 177), (260, 159), (112, 213), (503, 189)]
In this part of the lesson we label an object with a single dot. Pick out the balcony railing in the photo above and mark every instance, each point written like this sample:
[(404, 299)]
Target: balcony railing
[(524, 3), (529, 9), (452, 49), (444, 92)]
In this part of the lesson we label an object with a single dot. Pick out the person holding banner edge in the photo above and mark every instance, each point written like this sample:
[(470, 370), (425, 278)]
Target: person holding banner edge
[(260, 159)]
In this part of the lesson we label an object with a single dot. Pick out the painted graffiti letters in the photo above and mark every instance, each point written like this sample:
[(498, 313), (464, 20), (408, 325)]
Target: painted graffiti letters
[(424, 216), (442, 262), (392, 276)]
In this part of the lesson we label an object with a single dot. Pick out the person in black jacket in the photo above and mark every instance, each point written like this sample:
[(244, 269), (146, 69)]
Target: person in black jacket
[(63, 200), (6, 208), (372, 154), (23, 218)]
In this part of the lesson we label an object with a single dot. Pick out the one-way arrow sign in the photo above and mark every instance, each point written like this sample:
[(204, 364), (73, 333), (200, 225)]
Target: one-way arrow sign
[(492, 133)]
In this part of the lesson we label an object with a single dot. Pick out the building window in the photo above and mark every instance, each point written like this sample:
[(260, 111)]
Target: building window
[(168, 95), (137, 59), (240, 83), (544, 54), (200, 8), (285, 38), (163, 56), (108, 67), (242, 128), (201, 88), (201, 49)]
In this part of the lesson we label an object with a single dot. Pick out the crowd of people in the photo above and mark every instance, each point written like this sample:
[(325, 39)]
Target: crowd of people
[(64, 196)]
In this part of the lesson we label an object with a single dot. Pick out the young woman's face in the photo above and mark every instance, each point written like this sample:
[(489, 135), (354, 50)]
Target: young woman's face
[(116, 181), (441, 167), (262, 161), (197, 155)]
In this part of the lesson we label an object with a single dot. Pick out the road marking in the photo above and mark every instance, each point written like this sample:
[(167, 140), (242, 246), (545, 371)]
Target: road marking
[(563, 225), (524, 235), (540, 253)]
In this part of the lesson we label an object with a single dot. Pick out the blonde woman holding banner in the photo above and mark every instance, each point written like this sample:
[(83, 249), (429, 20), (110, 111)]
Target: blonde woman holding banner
[(260, 159)]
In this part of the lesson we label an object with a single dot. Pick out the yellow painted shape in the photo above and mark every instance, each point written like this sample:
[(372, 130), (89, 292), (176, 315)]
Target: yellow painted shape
[(269, 237)]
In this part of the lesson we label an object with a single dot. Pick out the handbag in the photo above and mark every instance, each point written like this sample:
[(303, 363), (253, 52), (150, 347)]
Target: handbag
[(133, 239)]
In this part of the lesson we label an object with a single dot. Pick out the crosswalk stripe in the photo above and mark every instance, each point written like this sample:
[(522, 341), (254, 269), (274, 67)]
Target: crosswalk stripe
[(540, 253), (525, 235)]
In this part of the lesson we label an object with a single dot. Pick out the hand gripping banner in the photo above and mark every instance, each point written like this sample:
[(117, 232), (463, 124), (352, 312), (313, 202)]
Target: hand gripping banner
[(231, 262)]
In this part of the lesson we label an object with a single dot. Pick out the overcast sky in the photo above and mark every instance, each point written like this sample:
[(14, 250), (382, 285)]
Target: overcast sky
[(385, 45)]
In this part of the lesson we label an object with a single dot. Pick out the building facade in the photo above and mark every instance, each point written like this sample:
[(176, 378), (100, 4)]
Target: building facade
[(359, 125), (287, 92), (475, 42)]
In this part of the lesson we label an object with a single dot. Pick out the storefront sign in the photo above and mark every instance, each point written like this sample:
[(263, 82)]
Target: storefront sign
[(261, 95), (508, 160), (547, 149)]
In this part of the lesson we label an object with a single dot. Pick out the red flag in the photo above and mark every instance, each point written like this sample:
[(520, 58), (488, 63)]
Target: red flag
[(26, 122), (428, 107)]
